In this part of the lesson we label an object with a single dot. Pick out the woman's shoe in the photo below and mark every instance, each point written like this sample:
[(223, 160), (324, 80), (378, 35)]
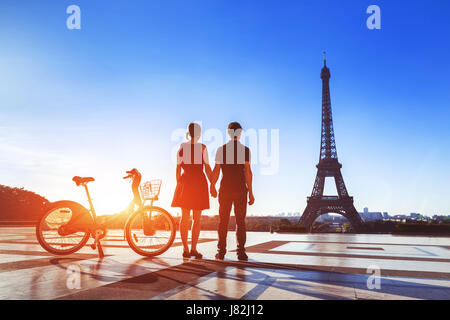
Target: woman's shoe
[(196, 254), (220, 256), (186, 254)]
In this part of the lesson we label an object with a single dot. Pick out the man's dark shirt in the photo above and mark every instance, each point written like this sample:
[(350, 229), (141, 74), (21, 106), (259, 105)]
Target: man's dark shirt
[(231, 157)]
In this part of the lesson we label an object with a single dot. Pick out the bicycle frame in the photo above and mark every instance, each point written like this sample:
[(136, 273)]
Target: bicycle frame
[(96, 231), (92, 209), (91, 205)]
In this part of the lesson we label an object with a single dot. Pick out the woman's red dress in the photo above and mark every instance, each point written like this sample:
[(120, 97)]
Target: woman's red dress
[(192, 187)]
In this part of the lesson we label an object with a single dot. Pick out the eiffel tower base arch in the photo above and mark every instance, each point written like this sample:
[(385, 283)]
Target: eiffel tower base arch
[(344, 207)]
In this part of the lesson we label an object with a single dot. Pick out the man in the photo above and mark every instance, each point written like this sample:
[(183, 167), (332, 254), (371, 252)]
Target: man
[(233, 158)]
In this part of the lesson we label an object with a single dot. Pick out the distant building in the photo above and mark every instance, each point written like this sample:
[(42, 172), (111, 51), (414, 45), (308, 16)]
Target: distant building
[(441, 217), (366, 215), (415, 215)]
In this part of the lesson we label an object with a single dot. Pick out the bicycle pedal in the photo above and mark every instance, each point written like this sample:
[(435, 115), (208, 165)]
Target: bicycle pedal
[(93, 246)]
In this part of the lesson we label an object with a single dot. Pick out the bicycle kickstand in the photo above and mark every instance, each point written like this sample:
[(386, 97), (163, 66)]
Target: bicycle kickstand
[(100, 250), (97, 244)]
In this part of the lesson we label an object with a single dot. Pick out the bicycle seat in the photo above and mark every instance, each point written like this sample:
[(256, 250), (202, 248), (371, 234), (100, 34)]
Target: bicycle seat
[(80, 180)]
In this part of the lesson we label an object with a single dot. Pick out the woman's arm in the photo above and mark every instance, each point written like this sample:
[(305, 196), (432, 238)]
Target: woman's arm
[(214, 177), (179, 161), (208, 170), (178, 172)]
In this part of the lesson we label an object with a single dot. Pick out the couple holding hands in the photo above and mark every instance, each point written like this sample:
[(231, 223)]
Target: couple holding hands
[(191, 193)]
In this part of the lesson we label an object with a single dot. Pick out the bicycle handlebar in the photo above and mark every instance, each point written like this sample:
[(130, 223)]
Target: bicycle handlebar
[(133, 173)]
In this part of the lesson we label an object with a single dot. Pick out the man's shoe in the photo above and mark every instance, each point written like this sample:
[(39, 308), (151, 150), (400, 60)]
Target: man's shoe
[(242, 256), (220, 256)]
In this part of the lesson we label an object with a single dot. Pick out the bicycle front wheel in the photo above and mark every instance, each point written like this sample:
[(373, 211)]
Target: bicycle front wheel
[(150, 231)]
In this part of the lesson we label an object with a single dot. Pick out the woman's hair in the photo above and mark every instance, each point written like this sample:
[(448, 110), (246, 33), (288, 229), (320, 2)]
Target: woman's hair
[(194, 130)]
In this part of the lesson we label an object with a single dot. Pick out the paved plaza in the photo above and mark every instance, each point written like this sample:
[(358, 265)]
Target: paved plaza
[(280, 267)]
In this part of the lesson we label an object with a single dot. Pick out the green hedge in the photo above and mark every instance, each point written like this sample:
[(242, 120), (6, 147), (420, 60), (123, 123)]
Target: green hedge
[(422, 228)]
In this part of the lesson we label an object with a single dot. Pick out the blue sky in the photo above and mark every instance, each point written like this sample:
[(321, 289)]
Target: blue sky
[(108, 97)]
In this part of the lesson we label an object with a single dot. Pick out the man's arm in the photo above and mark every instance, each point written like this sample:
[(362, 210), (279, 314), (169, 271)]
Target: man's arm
[(249, 181)]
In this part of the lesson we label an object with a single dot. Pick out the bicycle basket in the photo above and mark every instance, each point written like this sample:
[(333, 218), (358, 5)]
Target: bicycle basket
[(150, 189)]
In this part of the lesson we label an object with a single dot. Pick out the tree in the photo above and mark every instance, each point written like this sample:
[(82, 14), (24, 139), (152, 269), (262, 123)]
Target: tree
[(18, 204)]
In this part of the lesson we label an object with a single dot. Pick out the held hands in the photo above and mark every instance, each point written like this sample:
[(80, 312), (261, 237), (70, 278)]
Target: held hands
[(213, 191), (251, 198)]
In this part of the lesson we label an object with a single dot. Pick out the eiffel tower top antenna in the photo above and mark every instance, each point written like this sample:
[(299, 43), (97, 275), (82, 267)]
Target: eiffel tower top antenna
[(325, 58)]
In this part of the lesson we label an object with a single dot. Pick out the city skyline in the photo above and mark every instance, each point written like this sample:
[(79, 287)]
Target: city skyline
[(108, 98)]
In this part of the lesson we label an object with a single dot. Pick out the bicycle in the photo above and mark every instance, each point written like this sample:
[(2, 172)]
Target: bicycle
[(67, 226)]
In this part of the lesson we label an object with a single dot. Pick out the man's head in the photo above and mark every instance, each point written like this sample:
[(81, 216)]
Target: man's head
[(234, 130)]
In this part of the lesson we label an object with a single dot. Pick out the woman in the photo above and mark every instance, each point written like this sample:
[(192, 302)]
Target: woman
[(192, 192)]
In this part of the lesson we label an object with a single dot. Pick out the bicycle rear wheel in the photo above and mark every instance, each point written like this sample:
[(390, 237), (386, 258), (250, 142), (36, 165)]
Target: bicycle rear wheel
[(150, 231), (55, 232)]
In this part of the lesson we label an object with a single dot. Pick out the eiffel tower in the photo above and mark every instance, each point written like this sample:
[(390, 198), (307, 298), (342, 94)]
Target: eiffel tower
[(329, 166)]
